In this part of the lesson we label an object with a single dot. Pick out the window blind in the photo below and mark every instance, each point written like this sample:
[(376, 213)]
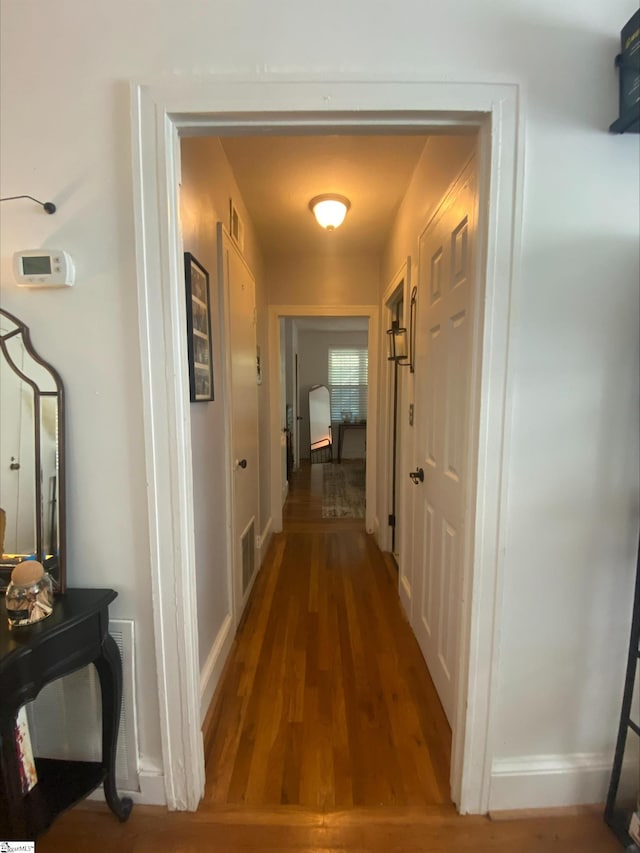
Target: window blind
[(348, 381)]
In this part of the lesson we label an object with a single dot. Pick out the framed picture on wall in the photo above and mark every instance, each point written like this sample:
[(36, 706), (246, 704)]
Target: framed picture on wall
[(198, 330)]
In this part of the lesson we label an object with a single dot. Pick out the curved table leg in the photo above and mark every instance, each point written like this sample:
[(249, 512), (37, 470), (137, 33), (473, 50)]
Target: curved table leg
[(109, 667)]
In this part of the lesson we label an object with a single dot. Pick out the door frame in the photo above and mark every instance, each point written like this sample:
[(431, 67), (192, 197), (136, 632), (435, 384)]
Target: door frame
[(275, 314), (399, 286), (239, 597), (296, 404), (215, 105)]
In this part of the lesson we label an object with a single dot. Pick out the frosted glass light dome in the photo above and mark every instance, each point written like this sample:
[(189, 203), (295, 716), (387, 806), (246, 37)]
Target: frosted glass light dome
[(330, 210)]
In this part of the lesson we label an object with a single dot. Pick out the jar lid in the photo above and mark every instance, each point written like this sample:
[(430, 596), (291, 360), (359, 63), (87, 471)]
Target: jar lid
[(28, 572)]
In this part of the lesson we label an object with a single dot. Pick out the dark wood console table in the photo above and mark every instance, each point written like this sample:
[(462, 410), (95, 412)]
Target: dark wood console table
[(76, 634)]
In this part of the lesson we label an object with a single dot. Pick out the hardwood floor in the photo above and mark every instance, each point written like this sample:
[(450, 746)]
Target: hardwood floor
[(326, 701), (326, 732)]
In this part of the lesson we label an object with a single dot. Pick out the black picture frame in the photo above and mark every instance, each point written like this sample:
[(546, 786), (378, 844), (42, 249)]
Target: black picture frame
[(198, 330)]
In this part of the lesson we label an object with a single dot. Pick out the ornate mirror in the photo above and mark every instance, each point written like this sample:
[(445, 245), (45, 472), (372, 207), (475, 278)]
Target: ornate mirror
[(320, 423), (32, 521)]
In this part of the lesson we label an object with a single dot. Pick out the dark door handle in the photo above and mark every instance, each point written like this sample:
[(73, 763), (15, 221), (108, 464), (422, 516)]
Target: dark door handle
[(241, 463), (299, 418), (417, 476)]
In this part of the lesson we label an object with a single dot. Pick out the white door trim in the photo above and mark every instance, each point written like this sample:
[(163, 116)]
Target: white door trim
[(215, 105), (391, 294), (275, 313)]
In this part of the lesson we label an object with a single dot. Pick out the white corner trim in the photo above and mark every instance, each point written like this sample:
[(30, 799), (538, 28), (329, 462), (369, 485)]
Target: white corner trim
[(263, 540), (214, 664), (405, 587), (152, 789), (376, 532), (155, 170), (547, 781)]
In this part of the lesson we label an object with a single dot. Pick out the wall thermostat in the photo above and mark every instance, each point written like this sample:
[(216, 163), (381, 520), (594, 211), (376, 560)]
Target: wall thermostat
[(43, 268)]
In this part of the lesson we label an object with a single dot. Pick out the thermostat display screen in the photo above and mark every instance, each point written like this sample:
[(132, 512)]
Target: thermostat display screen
[(36, 265)]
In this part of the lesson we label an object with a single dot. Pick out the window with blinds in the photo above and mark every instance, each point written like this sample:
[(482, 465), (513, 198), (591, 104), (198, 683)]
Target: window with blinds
[(348, 380)]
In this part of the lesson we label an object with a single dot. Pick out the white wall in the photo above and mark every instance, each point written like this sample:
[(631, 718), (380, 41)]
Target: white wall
[(207, 185), (441, 161), (572, 507), (313, 350)]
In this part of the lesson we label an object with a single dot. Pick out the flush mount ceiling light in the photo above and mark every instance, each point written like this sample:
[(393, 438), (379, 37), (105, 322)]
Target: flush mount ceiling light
[(329, 210)]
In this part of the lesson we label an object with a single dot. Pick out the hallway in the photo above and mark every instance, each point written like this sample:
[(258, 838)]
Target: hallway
[(326, 701), (327, 734)]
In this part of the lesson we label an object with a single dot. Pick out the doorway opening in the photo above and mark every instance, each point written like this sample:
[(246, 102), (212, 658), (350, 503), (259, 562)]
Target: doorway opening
[(159, 112), (394, 413), (397, 402), (325, 379)]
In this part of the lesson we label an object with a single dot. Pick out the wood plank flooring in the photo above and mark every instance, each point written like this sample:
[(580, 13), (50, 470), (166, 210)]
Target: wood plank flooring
[(326, 702), (326, 733), (286, 829)]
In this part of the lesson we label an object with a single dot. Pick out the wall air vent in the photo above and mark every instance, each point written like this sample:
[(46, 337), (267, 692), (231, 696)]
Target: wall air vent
[(236, 226)]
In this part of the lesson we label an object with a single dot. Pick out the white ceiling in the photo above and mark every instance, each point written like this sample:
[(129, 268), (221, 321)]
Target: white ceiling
[(279, 175)]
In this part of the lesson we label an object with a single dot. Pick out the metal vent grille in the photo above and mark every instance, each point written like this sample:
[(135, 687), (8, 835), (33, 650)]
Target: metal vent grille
[(248, 544), (65, 720)]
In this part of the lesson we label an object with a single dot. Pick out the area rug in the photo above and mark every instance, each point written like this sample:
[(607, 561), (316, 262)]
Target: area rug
[(343, 489)]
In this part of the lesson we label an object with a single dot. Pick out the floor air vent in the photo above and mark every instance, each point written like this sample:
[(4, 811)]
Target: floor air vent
[(65, 721)]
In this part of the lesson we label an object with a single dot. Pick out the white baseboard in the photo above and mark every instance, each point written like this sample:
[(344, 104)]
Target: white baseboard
[(152, 790), (376, 532), (151, 793), (212, 668), (406, 587), (263, 540), (547, 781)]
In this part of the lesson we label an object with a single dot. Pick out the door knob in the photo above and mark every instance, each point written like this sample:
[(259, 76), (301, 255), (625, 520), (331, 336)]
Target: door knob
[(241, 463), (417, 476), (15, 466)]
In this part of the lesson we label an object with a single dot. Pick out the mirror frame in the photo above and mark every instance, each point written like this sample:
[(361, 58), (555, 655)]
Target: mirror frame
[(59, 577), (323, 446)]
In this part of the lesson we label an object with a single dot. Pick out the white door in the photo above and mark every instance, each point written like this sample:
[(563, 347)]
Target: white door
[(242, 401), (443, 441)]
